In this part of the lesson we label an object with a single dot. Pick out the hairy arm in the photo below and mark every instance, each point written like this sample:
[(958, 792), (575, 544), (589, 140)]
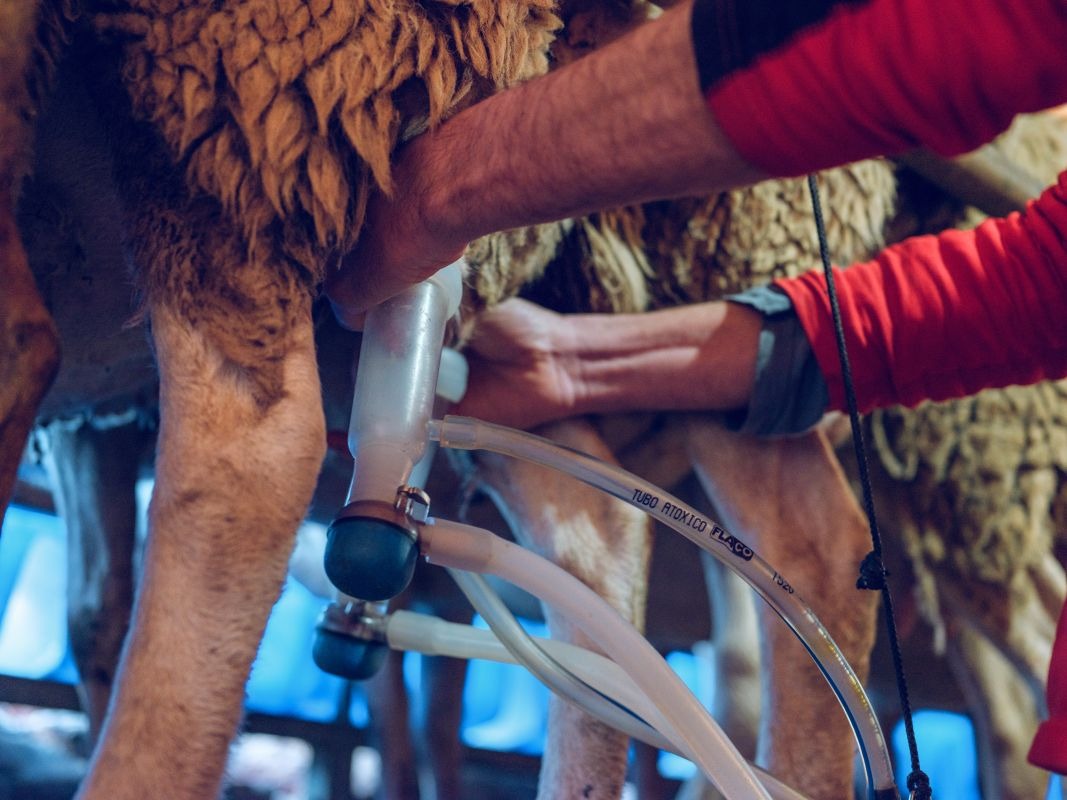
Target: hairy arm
[(625, 124), (530, 365), (833, 81)]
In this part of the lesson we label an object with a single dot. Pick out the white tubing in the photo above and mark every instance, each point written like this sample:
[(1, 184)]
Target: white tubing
[(546, 669), (461, 546), (433, 636), (436, 637), (471, 434)]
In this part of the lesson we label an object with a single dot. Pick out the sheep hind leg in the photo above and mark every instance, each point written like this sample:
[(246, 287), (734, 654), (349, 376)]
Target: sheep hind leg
[(388, 704), (735, 654), (94, 476), (29, 352), (235, 471), (604, 542), (29, 343), (804, 520), (1005, 715)]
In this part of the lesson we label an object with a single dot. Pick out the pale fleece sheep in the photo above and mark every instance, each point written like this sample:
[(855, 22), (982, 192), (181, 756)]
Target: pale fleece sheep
[(976, 489), (664, 253), (974, 486), (786, 497)]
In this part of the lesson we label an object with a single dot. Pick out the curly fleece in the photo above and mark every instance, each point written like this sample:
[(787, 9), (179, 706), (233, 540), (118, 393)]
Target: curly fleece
[(287, 111)]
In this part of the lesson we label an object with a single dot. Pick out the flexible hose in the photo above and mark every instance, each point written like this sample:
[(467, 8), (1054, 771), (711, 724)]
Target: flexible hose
[(544, 667), (686, 721), (471, 434), (407, 630)]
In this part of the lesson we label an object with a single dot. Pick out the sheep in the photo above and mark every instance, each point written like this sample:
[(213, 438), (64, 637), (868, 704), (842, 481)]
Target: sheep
[(939, 462), (31, 345), (975, 490), (240, 331), (250, 135), (270, 167), (663, 244), (661, 253)]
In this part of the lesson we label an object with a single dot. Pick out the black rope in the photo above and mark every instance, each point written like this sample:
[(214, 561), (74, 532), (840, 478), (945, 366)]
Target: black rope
[(872, 571)]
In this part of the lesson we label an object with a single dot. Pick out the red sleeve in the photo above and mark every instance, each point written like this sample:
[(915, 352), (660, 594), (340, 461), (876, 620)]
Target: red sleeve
[(1049, 748), (945, 316), (884, 76)]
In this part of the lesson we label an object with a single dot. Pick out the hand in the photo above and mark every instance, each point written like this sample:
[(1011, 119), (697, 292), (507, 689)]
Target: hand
[(520, 373), (400, 245)]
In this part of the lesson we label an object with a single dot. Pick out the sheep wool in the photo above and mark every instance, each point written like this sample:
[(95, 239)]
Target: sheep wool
[(31, 36), (287, 112), (683, 251)]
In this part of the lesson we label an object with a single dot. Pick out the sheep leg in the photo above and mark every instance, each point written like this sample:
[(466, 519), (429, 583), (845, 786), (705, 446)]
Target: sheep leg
[(29, 342), (1020, 620), (442, 683), (234, 474), (1002, 706), (735, 651), (94, 475), (29, 351), (789, 500), (604, 542), (387, 700), (736, 703)]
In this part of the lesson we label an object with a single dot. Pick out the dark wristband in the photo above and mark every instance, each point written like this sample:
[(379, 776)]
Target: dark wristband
[(790, 393)]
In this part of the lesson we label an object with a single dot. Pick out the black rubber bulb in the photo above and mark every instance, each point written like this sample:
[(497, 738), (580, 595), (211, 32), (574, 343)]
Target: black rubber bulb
[(346, 656), (369, 558)]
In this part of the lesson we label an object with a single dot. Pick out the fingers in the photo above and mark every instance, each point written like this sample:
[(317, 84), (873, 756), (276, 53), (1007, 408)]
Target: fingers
[(352, 292), (364, 281)]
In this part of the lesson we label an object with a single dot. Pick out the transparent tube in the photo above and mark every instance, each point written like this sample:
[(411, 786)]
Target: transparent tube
[(408, 630), (470, 434), (544, 667), (453, 544)]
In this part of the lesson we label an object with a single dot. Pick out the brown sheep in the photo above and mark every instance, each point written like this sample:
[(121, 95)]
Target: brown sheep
[(275, 157), (228, 93), (154, 57)]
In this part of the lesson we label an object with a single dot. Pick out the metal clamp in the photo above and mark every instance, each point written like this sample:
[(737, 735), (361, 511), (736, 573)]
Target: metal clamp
[(413, 502), (357, 619), (395, 514)]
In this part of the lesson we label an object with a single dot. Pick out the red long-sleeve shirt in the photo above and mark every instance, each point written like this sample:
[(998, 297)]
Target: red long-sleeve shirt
[(937, 316), (945, 316)]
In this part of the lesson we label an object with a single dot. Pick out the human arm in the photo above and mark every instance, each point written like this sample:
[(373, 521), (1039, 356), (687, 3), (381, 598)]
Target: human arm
[(624, 124), (944, 316), (630, 121), (530, 365), (930, 318)]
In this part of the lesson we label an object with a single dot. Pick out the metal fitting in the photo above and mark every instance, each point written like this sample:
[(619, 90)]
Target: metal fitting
[(394, 514), (413, 502), (357, 619)]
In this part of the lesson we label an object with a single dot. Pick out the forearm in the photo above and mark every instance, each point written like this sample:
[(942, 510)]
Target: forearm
[(625, 124), (688, 358), (631, 123)]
